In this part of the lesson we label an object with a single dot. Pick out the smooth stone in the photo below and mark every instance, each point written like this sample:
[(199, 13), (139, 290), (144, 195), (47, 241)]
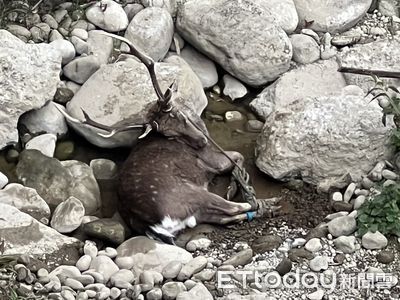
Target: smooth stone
[(20, 32), (349, 192), (336, 215), (345, 225), (81, 68), (154, 294), (387, 174), (337, 196), (319, 263), (84, 279), (122, 275), (266, 243), (90, 249), (105, 266), (299, 254), (233, 88), (317, 295), (131, 9), (284, 267), (205, 275), (305, 49), (194, 266), (313, 245), (374, 241), (73, 284), (65, 48), (68, 215), (98, 277), (254, 126), (171, 289), (112, 19), (40, 32), (172, 270), (50, 20), (106, 229), (359, 201), (55, 35), (80, 33), (241, 258), (233, 116), (84, 262), (45, 143), (81, 47), (199, 291), (385, 257), (346, 244), (67, 271)]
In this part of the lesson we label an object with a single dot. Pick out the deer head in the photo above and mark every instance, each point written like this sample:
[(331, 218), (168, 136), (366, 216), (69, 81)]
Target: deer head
[(166, 117)]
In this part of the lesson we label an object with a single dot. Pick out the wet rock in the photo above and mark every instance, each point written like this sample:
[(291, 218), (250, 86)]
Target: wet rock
[(105, 266), (45, 143), (346, 244), (81, 68), (45, 120), (148, 254), (202, 66), (241, 258), (254, 126), (373, 241), (266, 243), (68, 215), (284, 267), (106, 229), (199, 291), (27, 200), (113, 18), (151, 30), (57, 181), (129, 81), (319, 263), (302, 121), (64, 150), (103, 168), (233, 88), (385, 257), (235, 53), (39, 65), (345, 225), (342, 16), (313, 245), (305, 49), (312, 80), (170, 290), (194, 266)]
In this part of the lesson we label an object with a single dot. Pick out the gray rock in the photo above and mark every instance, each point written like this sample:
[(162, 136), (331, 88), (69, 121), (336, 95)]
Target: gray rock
[(105, 266), (81, 47), (194, 266), (233, 116), (198, 243), (19, 31), (148, 254), (60, 14), (374, 241), (233, 87), (171, 289), (68, 215), (129, 81), (23, 234), (73, 284), (284, 267), (154, 294), (305, 49), (266, 243), (57, 181), (106, 229), (202, 66), (100, 46), (115, 293), (385, 257), (254, 126), (293, 143), (45, 143), (103, 168), (199, 291), (151, 30), (82, 296), (39, 65), (131, 9), (312, 80), (50, 20), (80, 33), (47, 119), (349, 192), (232, 42), (345, 225), (172, 270), (389, 7), (241, 258), (319, 263), (83, 264), (346, 244), (387, 174), (113, 18), (81, 25), (169, 5), (40, 32), (205, 275), (109, 251), (81, 68), (122, 275), (284, 12), (329, 16), (359, 201), (27, 200)]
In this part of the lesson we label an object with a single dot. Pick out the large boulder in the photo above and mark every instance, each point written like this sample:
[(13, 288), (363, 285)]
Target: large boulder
[(323, 139), (29, 76), (56, 181), (240, 35), (123, 94), (331, 16), (381, 55), (20, 233), (151, 30), (312, 80)]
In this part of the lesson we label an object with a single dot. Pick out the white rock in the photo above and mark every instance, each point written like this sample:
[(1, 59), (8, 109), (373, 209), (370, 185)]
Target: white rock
[(65, 48), (387, 174), (81, 47), (336, 215), (313, 245), (27, 200), (194, 266), (122, 275), (312, 80), (233, 116), (359, 201), (100, 46), (209, 27), (47, 119), (151, 30), (105, 266), (90, 249), (198, 244), (45, 143), (284, 12), (349, 192), (346, 244), (337, 196), (3, 180), (39, 65), (68, 215), (84, 262), (202, 66), (299, 242), (319, 263), (113, 18), (295, 138), (199, 291), (55, 35), (331, 16), (233, 87), (305, 49), (374, 241), (81, 68), (80, 33), (172, 289), (317, 295)]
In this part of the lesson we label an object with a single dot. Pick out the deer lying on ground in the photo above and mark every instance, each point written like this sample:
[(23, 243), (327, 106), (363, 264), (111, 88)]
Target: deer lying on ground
[(163, 183)]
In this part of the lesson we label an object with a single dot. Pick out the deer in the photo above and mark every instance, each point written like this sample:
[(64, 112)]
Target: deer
[(163, 184)]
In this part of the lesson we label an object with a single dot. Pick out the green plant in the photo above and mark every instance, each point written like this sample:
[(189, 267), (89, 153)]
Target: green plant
[(381, 213)]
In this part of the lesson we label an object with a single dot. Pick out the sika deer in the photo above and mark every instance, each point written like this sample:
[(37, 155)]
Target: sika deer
[(163, 183)]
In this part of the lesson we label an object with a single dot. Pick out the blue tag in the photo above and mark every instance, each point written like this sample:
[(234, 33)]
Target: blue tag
[(250, 215)]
